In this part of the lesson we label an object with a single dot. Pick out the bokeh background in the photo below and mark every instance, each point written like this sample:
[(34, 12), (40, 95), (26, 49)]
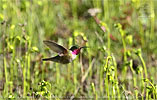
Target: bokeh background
[(120, 63)]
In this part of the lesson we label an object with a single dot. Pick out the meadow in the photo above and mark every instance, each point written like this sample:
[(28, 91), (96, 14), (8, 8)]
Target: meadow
[(119, 63)]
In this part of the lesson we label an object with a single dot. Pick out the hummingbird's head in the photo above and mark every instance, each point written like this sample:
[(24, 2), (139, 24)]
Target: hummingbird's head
[(76, 50)]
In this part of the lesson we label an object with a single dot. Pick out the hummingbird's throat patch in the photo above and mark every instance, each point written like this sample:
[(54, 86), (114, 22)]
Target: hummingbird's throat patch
[(75, 52)]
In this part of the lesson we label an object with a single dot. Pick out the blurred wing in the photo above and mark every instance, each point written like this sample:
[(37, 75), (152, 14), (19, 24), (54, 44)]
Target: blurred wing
[(55, 47)]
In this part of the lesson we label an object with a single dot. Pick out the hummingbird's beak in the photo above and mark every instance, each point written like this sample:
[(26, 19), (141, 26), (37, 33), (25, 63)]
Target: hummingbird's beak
[(84, 47)]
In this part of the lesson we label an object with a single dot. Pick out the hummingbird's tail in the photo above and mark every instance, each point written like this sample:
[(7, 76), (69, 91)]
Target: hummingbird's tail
[(59, 59), (55, 58), (46, 59)]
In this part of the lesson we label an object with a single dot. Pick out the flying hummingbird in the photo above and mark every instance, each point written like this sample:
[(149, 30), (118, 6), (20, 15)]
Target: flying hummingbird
[(64, 56)]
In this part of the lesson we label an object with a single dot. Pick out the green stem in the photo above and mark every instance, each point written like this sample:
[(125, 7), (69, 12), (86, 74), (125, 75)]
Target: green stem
[(124, 46), (101, 80), (134, 78), (107, 86), (75, 74), (28, 64), (106, 79), (57, 73), (24, 80), (94, 91), (116, 78), (108, 43), (125, 56), (142, 85), (6, 77), (144, 65)]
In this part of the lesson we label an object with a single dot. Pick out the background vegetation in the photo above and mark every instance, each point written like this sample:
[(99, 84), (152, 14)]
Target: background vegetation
[(121, 61)]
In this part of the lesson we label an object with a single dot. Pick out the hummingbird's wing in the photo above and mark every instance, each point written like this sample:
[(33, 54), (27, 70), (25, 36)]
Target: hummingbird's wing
[(56, 47), (59, 59)]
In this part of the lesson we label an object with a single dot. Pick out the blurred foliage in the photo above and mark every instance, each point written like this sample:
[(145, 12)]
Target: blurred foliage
[(120, 61)]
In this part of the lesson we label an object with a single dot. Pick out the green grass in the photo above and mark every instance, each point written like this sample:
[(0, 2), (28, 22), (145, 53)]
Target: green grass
[(120, 62)]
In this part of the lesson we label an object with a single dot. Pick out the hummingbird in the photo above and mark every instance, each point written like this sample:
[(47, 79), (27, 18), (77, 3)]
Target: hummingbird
[(64, 56)]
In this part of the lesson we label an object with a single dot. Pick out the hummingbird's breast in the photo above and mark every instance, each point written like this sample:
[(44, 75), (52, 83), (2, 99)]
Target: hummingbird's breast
[(73, 56)]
